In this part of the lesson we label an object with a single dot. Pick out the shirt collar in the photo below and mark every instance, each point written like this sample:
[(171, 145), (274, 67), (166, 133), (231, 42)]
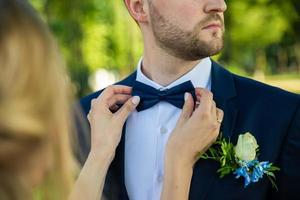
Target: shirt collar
[(200, 76)]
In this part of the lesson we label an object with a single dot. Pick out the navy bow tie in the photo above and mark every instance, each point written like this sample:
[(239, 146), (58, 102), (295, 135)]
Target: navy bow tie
[(151, 96)]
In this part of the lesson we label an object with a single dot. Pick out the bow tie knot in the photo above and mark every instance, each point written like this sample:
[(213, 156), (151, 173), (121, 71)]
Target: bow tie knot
[(151, 96), (162, 94)]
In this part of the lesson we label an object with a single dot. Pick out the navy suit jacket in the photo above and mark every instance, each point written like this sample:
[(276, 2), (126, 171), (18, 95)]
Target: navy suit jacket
[(272, 115)]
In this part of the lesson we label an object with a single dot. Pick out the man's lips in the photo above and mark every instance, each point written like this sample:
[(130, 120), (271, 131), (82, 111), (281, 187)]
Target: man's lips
[(212, 26)]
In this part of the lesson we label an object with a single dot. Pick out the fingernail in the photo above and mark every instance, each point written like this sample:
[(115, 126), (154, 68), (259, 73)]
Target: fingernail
[(135, 100), (186, 96)]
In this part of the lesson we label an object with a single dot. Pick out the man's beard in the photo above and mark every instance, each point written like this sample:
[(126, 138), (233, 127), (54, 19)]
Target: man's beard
[(183, 44)]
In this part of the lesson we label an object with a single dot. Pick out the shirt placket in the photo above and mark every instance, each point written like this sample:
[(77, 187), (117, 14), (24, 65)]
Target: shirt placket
[(161, 136)]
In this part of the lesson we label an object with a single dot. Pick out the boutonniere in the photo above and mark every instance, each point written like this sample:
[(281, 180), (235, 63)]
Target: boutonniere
[(241, 159)]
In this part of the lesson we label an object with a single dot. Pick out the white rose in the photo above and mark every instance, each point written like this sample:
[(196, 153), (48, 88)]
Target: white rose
[(246, 147)]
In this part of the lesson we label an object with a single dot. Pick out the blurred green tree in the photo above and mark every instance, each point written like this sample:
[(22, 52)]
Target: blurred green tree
[(252, 26), (113, 40), (92, 34), (64, 19)]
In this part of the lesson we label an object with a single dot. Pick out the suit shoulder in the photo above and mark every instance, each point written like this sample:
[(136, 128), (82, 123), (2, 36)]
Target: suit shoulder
[(259, 89)]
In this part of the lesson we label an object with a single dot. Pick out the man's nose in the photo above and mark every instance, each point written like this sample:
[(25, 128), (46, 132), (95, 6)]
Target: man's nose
[(215, 6)]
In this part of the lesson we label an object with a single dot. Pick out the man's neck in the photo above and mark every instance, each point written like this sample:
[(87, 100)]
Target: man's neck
[(164, 68)]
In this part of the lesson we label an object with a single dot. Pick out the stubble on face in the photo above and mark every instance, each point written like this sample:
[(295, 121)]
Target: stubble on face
[(186, 45)]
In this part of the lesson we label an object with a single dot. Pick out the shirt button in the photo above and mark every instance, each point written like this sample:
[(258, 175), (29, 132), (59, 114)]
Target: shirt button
[(160, 178), (163, 130)]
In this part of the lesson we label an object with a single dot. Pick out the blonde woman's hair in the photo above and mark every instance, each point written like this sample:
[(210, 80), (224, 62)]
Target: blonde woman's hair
[(34, 104)]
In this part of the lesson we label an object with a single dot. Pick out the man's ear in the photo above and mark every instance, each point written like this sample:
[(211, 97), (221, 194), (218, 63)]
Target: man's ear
[(137, 9)]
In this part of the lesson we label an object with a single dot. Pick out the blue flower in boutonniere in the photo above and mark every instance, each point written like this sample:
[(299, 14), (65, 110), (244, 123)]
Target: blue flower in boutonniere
[(241, 160)]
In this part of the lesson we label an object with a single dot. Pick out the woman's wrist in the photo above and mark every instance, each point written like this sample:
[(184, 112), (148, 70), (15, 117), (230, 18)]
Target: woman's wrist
[(176, 155), (178, 164), (101, 155), (178, 173)]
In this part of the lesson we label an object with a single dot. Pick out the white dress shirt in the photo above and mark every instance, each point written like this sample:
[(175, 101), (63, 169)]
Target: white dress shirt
[(147, 133)]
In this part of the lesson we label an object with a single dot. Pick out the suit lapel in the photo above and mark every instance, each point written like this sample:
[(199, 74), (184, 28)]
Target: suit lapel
[(223, 89)]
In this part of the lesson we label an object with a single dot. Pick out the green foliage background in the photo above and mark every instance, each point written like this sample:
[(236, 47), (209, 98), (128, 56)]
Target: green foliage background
[(262, 36)]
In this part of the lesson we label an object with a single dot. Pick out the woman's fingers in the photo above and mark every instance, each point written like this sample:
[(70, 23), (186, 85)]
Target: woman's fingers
[(127, 108), (207, 105), (113, 90), (206, 102), (187, 109), (117, 99), (214, 110), (114, 94)]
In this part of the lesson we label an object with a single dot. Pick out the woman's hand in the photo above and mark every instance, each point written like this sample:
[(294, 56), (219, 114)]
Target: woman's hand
[(107, 119), (197, 129)]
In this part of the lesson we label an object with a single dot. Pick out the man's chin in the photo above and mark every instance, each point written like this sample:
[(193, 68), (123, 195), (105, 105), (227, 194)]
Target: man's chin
[(213, 47)]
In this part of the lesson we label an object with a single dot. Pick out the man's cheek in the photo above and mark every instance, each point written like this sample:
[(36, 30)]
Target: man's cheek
[(188, 15)]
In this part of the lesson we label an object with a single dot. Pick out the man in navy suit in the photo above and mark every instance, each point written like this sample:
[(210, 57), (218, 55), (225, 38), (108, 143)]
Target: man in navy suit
[(179, 37)]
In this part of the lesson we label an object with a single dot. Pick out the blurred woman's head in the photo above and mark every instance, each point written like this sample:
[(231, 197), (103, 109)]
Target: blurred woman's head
[(34, 114)]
